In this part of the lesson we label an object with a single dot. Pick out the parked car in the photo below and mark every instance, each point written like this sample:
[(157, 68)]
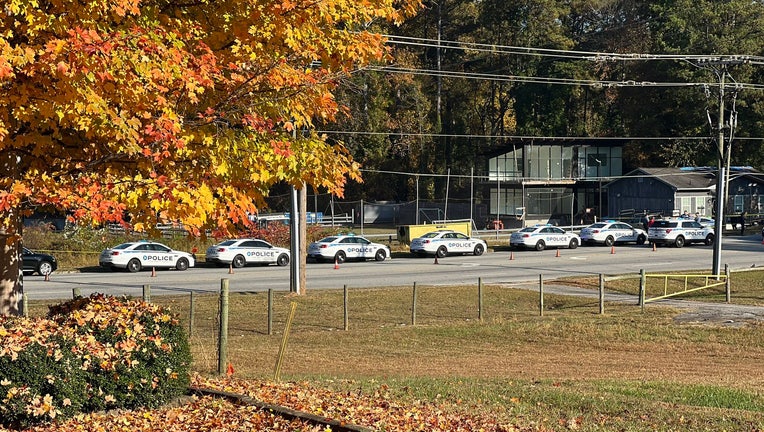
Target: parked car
[(135, 256), (612, 232), (343, 247), (444, 242), (542, 236), (240, 252), (42, 264), (679, 232)]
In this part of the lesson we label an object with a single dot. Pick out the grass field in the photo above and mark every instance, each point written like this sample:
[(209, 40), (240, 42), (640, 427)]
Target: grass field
[(570, 369)]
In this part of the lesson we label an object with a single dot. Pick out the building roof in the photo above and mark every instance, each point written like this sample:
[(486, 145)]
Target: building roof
[(681, 178), (693, 178)]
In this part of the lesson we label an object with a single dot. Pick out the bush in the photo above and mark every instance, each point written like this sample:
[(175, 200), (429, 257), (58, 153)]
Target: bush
[(90, 354)]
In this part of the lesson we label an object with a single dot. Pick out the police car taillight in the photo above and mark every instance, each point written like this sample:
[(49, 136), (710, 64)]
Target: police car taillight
[(668, 230), (324, 246), (221, 249), (526, 235), (425, 241), (114, 253), (596, 231)]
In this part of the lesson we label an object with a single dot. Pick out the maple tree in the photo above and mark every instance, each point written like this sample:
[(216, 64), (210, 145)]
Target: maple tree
[(139, 112)]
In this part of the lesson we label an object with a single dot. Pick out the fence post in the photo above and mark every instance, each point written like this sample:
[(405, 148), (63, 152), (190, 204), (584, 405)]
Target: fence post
[(727, 285), (480, 299), (25, 305), (191, 313), (602, 294), (270, 311), (76, 292), (642, 288), (345, 307), (223, 331), (413, 306), (541, 295), (147, 293)]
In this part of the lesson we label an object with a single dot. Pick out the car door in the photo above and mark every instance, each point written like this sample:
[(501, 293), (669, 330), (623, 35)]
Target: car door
[(554, 237), (624, 233), (257, 251), (463, 243), (163, 256)]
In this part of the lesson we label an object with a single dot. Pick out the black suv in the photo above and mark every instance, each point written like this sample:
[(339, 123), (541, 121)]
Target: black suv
[(41, 264)]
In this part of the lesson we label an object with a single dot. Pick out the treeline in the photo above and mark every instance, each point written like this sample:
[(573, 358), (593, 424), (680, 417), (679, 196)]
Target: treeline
[(467, 78)]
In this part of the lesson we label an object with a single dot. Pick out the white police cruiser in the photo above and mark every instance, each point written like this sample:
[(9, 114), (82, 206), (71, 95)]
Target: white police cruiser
[(240, 252), (679, 232), (612, 232), (135, 256), (444, 242), (542, 236), (343, 247)]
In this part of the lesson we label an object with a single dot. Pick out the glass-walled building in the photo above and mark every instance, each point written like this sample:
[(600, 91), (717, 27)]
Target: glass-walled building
[(552, 183)]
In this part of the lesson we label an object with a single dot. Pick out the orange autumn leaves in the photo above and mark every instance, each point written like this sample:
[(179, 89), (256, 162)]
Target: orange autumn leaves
[(177, 111)]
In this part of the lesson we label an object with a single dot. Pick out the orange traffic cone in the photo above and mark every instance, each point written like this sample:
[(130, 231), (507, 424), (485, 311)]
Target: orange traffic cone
[(558, 253), (336, 264), (511, 256), (229, 370), (436, 259), (612, 250), (654, 248), (230, 269), (153, 272)]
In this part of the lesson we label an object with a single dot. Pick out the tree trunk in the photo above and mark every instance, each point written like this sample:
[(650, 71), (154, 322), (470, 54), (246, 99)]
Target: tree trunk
[(11, 279), (11, 270)]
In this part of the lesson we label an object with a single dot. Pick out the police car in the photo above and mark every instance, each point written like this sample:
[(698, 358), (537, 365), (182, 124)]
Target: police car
[(240, 252), (343, 247), (540, 237), (444, 242), (135, 256), (612, 232), (679, 232)]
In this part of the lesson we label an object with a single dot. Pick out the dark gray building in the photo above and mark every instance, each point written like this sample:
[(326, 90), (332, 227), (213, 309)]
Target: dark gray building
[(672, 191)]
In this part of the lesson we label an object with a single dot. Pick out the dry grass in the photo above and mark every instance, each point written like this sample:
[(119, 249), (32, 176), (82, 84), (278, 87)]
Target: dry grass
[(625, 365)]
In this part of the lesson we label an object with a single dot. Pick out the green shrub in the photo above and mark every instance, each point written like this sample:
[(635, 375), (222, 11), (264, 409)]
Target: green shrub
[(90, 354)]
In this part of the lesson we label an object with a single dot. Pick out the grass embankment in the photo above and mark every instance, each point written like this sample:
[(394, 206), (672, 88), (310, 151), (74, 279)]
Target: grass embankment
[(570, 369)]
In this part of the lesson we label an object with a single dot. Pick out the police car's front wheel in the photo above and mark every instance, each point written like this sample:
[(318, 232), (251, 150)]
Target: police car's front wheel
[(679, 242), (478, 250), (182, 264), (380, 255), (340, 257), (573, 244), (282, 260), (134, 265), (441, 252), (709, 240)]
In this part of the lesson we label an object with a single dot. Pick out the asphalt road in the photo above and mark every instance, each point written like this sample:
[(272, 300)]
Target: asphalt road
[(491, 268)]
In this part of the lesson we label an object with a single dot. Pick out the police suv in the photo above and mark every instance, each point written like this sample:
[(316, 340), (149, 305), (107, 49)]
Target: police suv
[(240, 252), (343, 247), (612, 232), (679, 232), (542, 236), (134, 256), (444, 242)]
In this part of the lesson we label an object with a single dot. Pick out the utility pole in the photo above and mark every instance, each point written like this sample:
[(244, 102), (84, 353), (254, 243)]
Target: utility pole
[(719, 67)]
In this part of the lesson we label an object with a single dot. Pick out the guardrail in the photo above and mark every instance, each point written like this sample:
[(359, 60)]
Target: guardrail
[(685, 287)]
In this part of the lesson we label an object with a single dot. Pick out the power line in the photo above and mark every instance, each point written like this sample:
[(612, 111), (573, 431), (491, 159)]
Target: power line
[(526, 137)]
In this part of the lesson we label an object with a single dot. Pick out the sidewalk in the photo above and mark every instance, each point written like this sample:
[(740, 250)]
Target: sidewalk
[(695, 312)]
